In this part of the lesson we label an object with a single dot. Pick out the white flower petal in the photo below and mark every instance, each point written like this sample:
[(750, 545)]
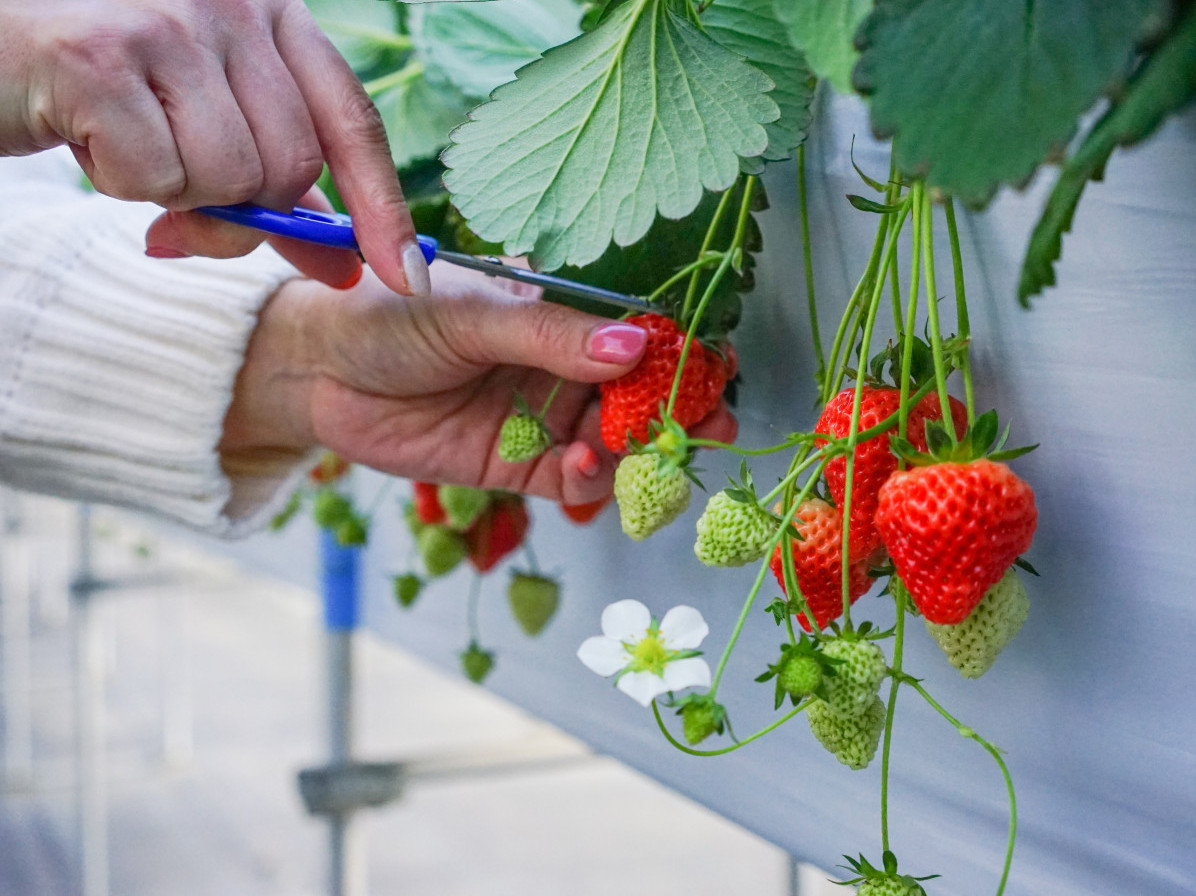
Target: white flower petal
[(626, 620), (603, 655), (683, 628), (691, 672), (642, 687)]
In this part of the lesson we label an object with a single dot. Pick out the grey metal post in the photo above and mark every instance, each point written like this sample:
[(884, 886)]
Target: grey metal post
[(15, 593), (90, 771), (347, 854)]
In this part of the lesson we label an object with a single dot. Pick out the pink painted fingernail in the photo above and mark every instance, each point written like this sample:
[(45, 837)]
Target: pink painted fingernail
[(589, 463), (617, 343), (164, 252)]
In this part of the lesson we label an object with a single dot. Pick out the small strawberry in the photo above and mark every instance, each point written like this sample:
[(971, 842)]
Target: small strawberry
[(353, 531), (533, 599), (648, 498), (856, 676), (852, 739), (800, 671), (585, 513), (407, 588), (476, 663), (427, 503), (498, 532), (330, 508), (874, 461), (462, 504), (701, 717), (441, 549), (817, 561), (329, 469), (952, 530), (972, 645), (800, 676), (632, 401), (886, 881), (523, 437), (734, 529)]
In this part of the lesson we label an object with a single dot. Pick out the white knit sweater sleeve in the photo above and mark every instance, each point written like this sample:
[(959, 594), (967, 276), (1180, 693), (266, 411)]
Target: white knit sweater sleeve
[(116, 370)]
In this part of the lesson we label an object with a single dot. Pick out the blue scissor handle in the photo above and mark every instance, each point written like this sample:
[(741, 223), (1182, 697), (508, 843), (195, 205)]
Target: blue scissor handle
[(326, 228)]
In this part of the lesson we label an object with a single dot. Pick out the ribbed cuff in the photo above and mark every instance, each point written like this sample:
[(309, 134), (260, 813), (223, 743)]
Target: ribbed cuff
[(117, 370)]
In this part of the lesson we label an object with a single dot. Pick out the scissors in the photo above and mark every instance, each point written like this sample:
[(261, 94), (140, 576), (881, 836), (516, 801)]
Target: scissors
[(334, 229)]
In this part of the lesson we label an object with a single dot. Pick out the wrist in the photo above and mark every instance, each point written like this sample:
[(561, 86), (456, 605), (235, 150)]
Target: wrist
[(269, 421)]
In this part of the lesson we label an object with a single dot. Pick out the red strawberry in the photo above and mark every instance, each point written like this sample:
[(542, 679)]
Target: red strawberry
[(498, 532), (874, 462), (952, 530), (585, 513), (817, 561), (630, 402), (427, 503)]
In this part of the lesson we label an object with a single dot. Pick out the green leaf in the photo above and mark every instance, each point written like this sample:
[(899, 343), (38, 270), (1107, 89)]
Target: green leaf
[(750, 29), (976, 94), (418, 112), (478, 46), (590, 142), (869, 205), (1166, 81), (364, 33), (823, 30)]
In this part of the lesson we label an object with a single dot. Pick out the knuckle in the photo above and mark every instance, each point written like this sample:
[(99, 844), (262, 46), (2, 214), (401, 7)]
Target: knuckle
[(359, 119)]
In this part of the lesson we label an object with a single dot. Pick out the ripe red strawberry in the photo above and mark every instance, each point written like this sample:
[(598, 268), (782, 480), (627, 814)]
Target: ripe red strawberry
[(585, 513), (427, 503), (817, 562), (952, 530), (631, 401), (874, 462), (498, 532)]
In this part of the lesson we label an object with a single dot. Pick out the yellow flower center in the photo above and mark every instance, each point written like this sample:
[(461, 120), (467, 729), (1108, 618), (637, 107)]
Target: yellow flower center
[(650, 654)]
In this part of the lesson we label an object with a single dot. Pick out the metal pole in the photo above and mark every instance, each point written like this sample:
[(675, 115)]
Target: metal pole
[(15, 594), (340, 592), (89, 719)]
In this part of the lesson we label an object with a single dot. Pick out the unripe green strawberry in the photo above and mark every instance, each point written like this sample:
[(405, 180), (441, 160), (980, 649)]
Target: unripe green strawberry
[(330, 508), (462, 505), (476, 663), (648, 502), (441, 549), (849, 691), (533, 600), (698, 721), (732, 533), (800, 675), (972, 645), (523, 437), (852, 739), (407, 588), (351, 531), (890, 885)]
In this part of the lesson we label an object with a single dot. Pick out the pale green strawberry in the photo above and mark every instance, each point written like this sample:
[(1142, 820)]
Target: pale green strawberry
[(523, 437), (533, 600), (462, 505), (697, 721), (441, 549), (800, 675), (852, 739), (476, 663), (648, 502), (856, 678), (732, 533), (972, 645)]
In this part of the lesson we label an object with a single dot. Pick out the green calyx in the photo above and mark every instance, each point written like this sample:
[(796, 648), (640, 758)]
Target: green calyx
[(982, 440), (884, 881)]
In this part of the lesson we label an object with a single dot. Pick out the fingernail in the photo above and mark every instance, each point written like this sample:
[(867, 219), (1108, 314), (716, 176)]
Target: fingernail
[(353, 279), (589, 463), (419, 281), (164, 252), (617, 343)]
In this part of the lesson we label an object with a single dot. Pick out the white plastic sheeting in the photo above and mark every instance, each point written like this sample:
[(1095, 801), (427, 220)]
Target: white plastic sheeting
[(1094, 702)]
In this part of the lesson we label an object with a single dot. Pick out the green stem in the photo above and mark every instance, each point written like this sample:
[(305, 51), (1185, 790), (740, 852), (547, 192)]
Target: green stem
[(747, 452), (907, 345), (533, 565), (807, 256), (993, 751), (890, 710), (961, 312), (932, 309), (381, 494), (711, 232), (892, 194), (735, 746), (551, 395), (379, 36), (408, 72), (849, 322), (710, 258)]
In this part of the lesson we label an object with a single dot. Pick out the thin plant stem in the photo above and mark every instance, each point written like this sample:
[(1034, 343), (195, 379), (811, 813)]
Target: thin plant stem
[(850, 320), (961, 312), (398, 77), (735, 746), (807, 257), (556, 387), (932, 310), (471, 608), (890, 711), (711, 231), (907, 345), (707, 260)]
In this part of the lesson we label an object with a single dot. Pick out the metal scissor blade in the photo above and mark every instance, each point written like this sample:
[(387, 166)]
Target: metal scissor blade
[(497, 268)]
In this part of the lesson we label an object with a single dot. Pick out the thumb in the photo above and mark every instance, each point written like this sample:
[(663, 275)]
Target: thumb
[(566, 342)]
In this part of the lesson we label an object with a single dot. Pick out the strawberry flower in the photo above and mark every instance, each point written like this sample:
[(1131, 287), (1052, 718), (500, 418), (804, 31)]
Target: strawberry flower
[(649, 657)]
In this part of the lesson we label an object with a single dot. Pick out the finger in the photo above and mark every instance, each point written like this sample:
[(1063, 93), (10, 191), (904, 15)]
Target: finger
[(339, 268), (719, 425), (564, 341), (353, 141)]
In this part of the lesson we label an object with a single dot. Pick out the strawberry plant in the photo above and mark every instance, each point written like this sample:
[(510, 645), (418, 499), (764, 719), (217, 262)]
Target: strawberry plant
[(621, 144)]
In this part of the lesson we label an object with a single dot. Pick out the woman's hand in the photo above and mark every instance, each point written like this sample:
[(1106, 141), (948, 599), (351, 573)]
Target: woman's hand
[(419, 387), (207, 102)]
